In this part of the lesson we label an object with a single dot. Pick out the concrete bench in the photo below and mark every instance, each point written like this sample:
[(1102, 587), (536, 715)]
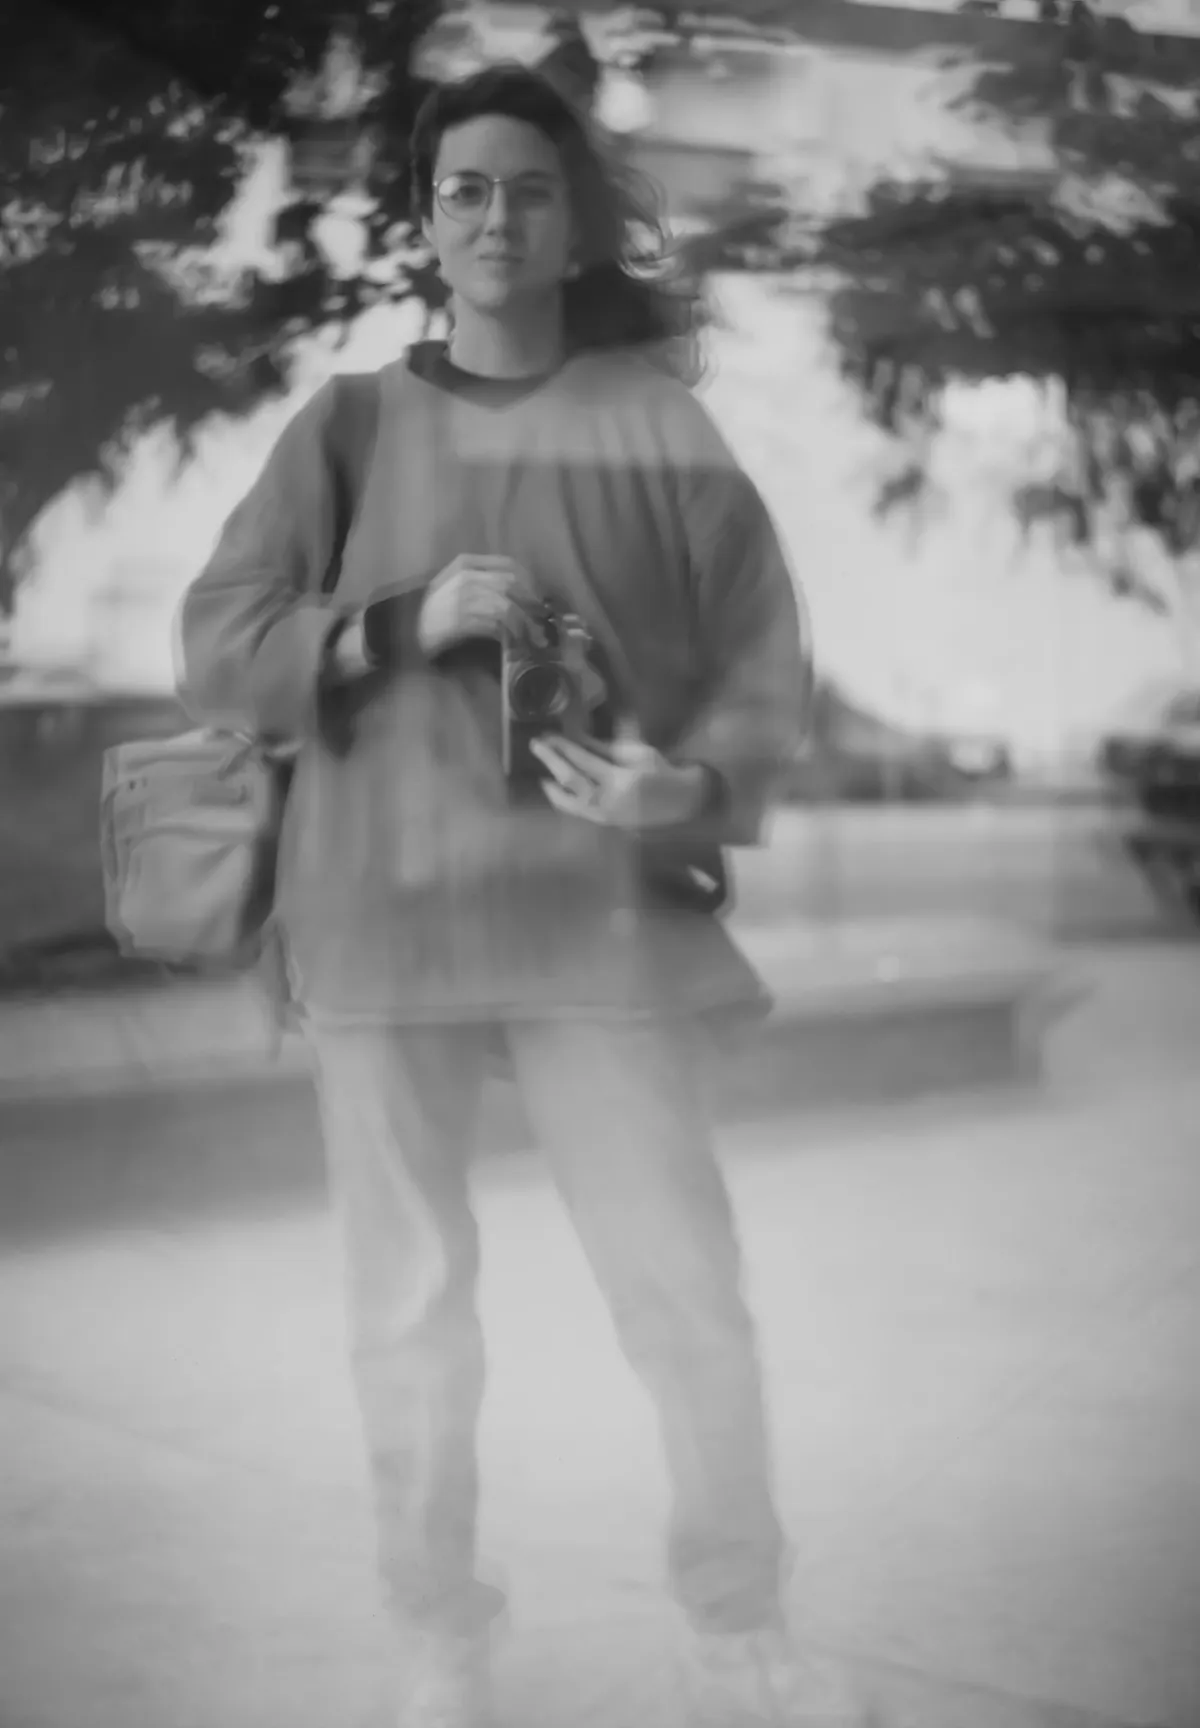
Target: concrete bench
[(168, 1103), (863, 1011), (877, 1010)]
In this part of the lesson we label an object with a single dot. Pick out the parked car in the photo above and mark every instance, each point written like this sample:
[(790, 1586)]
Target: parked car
[(1153, 766), (1158, 762), (1157, 743), (1168, 783)]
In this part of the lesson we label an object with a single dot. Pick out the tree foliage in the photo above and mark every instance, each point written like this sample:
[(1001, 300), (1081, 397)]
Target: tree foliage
[(1088, 282), (124, 129)]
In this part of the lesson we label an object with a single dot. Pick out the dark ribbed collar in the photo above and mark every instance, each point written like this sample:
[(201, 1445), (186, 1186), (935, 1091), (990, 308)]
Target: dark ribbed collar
[(431, 362)]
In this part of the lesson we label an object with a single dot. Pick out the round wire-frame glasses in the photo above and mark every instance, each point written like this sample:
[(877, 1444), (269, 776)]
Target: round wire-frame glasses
[(466, 195)]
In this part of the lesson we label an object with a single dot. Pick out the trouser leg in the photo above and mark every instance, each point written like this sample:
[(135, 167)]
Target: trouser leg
[(620, 1113), (400, 1109)]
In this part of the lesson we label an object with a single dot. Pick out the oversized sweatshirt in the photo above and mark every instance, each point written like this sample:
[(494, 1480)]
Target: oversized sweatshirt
[(412, 885)]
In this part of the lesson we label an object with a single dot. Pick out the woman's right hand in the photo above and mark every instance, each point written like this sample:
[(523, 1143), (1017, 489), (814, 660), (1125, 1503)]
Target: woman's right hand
[(476, 596)]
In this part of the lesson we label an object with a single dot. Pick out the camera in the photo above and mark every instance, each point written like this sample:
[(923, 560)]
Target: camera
[(544, 692)]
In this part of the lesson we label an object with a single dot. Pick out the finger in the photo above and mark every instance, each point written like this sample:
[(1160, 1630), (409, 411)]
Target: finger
[(482, 604), (566, 773), (569, 805), (596, 767), (578, 786), (500, 573), (622, 752), (498, 611), (552, 750), (509, 606), (475, 621), (484, 561), (475, 581), (474, 576)]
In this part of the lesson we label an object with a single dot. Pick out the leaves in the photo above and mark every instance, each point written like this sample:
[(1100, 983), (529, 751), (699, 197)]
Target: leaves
[(950, 281), (123, 134)]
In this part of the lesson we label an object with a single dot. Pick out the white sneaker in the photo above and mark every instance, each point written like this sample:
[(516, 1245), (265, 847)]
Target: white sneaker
[(443, 1680), (761, 1680)]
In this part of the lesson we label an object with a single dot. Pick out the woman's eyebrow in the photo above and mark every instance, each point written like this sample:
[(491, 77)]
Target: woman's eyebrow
[(547, 174)]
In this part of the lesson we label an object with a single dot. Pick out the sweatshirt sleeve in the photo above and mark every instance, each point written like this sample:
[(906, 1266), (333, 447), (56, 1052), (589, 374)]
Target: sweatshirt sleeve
[(754, 646), (254, 629)]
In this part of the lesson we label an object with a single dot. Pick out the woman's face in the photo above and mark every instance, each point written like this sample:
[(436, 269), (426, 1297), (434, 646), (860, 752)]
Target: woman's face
[(501, 223)]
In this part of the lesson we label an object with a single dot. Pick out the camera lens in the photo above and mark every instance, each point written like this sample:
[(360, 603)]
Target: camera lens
[(539, 692)]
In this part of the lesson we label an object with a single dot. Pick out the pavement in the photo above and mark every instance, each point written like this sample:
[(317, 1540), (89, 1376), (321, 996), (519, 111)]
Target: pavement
[(979, 1329)]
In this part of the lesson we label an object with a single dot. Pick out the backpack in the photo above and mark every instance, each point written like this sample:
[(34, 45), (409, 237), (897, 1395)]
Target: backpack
[(190, 825)]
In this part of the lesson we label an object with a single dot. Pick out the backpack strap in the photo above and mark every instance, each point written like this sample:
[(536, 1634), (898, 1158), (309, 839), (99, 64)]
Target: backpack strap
[(350, 435)]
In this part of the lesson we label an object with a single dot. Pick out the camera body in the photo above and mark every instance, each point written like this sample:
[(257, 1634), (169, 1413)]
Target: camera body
[(543, 691)]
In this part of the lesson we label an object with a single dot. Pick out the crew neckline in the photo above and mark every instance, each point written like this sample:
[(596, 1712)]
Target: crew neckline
[(431, 362)]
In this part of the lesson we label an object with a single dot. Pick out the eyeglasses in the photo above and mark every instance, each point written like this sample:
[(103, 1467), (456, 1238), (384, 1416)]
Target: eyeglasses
[(467, 196)]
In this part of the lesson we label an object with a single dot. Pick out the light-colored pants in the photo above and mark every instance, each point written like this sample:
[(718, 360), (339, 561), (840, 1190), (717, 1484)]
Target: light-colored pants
[(618, 1110)]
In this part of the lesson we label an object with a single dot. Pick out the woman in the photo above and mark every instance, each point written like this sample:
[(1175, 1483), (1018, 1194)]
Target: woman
[(549, 453)]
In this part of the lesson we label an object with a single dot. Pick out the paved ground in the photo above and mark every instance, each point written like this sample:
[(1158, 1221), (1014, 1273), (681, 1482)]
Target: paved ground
[(980, 1332)]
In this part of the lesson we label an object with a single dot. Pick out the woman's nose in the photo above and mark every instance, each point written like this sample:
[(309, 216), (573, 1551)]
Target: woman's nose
[(500, 208)]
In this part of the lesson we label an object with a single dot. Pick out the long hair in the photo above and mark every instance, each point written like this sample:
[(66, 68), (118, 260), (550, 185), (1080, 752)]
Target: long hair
[(630, 292)]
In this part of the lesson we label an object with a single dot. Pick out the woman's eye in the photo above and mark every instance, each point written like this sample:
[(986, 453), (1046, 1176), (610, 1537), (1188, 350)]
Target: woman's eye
[(534, 197), (466, 194)]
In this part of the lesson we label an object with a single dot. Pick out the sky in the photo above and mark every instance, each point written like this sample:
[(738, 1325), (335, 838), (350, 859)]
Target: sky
[(952, 622), (1173, 17)]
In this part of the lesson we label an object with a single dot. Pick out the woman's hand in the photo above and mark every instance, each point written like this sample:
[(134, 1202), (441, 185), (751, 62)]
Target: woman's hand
[(626, 785), (476, 596)]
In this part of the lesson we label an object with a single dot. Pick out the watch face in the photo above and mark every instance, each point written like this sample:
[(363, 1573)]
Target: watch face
[(379, 630), (370, 630)]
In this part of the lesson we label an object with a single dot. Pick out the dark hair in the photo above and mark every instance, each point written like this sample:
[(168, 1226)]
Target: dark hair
[(630, 292)]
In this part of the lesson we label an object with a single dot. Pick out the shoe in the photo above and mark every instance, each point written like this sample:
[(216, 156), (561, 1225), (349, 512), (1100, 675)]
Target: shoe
[(443, 1680), (761, 1680)]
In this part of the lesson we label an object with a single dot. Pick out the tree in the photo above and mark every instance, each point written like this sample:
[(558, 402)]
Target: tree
[(1087, 283), (124, 129)]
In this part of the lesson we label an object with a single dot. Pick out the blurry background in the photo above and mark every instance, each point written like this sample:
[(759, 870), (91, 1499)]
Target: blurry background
[(917, 226)]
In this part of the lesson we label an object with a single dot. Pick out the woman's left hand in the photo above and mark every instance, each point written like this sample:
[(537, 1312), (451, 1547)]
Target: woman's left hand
[(628, 784)]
